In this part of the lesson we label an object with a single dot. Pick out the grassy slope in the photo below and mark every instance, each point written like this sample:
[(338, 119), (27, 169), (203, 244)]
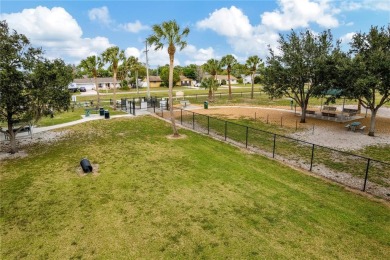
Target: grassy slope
[(194, 197)]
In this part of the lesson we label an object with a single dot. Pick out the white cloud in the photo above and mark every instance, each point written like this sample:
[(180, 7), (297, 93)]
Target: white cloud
[(101, 15), (132, 51), (57, 32), (198, 56), (382, 5), (346, 38), (299, 13), (158, 57), (134, 27), (227, 22)]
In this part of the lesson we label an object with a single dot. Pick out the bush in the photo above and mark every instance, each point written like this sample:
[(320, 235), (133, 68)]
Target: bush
[(223, 82)]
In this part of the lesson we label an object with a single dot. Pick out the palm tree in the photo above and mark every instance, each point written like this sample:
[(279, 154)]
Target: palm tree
[(212, 66), (229, 61), (209, 83), (252, 62), (169, 33), (91, 65), (113, 56)]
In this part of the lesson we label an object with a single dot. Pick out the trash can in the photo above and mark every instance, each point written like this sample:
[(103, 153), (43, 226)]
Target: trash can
[(206, 105), (106, 114), (86, 165), (101, 111), (87, 112)]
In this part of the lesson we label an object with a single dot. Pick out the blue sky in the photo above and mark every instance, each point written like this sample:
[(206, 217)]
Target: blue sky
[(75, 29)]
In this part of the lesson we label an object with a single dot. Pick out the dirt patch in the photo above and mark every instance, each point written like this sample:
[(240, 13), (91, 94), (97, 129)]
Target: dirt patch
[(321, 132), (180, 136), (22, 143)]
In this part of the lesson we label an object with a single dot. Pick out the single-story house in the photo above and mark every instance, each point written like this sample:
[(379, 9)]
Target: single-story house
[(220, 78), (103, 83), (247, 79), (185, 82), (155, 82)]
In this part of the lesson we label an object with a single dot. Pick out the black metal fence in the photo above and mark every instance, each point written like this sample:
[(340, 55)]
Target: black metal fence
[(359, 172)]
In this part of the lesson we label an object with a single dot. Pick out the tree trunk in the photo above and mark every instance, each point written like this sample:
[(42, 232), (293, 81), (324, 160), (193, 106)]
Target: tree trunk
[(97, 93), (253, 85), (12, 139), (371, 131), (114, 96), (230, 86), (170, 92), (210, 94), (136, 80), (303, 114)]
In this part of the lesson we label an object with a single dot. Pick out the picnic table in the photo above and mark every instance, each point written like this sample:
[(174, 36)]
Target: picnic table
[(354, 125)]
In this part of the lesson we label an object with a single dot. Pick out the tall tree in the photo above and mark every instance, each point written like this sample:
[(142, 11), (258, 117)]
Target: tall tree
[(252, 62), (90, 66), (170, 34), (164, 75), (212, 66), (29, 85), (229, 62), (113, 55), (297, 72), (370, 70)]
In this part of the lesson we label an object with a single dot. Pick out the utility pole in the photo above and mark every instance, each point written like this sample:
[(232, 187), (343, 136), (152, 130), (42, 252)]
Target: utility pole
[(147, 69)]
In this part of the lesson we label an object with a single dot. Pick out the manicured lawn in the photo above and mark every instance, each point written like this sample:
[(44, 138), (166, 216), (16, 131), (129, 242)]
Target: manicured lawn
[(153, 197), (69, 116)]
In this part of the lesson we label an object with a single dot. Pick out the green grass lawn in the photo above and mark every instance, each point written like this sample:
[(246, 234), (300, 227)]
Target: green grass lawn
[(71, 115), (153, 197)]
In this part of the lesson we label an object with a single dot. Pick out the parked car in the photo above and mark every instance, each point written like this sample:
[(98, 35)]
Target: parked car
[(73, 88), (83, 89)]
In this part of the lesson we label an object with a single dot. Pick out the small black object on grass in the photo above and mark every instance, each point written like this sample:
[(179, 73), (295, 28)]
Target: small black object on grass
[(86, 165)]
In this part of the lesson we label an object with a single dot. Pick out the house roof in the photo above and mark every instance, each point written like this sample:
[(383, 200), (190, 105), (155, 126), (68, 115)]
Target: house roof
[(223, 77), (92, 81), (154, 79), (184, 78)]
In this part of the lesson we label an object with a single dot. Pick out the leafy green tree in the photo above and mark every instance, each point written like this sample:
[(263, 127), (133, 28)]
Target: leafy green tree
[(252, 63), (30, 86), (297, 72), (90, 66), (229, 62), (190, 71), (113, 56), (164, 75), (169, 33), (369, 74)]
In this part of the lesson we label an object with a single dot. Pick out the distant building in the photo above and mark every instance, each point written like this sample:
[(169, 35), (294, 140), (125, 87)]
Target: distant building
[(220, 78), (89, 83)]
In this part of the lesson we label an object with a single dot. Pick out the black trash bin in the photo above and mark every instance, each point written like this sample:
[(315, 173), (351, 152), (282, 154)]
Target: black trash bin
[(206, 105), (101, 111), (106, 114), (86, 165)]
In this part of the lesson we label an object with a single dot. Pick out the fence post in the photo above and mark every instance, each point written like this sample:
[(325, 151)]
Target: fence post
[(273, 150), (225, 130), (246, 138), (281, 121), (181, 116), (193, 120), (312, 157), (366, 177)]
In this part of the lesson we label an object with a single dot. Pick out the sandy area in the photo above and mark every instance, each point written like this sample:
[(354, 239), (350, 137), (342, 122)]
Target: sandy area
[(321, 132)]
